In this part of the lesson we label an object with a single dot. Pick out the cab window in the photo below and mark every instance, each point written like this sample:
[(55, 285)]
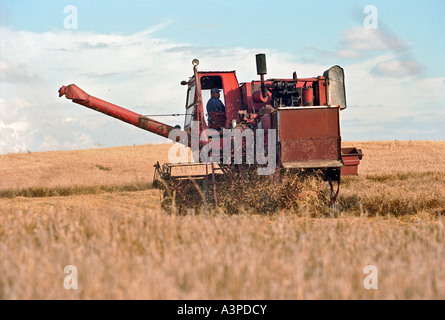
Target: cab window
[(190, 106)]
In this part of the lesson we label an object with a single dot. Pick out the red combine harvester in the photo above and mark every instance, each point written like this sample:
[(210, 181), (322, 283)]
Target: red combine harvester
[(271, 131)]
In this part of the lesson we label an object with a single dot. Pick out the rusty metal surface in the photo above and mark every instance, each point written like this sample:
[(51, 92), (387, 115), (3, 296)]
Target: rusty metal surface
[(351, 158), (308, 122), (310, 149), (311, 136), (308, 96)]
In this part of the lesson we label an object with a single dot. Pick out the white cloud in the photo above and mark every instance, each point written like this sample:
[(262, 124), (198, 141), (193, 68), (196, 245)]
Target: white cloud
[(350, 54), (397, 68), (359, 43), (18, 73), (362, 39), (390, 107)]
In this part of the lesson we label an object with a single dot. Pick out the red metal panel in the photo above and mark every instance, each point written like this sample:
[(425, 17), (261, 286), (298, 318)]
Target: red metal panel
[(349, 171), (312, 149), (321, 91), (351, 158), (308, 122), (308, 95), (309, 134), (245, 93)]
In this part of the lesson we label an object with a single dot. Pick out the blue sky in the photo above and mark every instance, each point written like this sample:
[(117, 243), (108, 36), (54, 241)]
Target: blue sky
[(285, 25), (134, 54)]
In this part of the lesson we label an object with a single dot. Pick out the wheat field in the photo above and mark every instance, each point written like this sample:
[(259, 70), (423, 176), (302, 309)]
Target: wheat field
[(96, 210)]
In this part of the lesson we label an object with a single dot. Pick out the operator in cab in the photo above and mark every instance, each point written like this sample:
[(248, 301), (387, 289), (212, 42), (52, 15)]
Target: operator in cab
[(216, 110)]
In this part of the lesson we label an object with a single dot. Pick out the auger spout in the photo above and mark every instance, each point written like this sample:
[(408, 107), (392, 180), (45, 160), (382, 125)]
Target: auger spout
[(77, 95)]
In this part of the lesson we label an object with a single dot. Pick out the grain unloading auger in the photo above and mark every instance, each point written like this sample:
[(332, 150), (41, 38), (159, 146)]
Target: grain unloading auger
[(271, 132)]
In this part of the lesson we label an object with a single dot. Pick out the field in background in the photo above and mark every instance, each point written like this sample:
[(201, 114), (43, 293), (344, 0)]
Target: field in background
[(95, 209)]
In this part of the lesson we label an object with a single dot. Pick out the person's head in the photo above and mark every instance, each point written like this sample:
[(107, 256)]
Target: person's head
[(215, 92)]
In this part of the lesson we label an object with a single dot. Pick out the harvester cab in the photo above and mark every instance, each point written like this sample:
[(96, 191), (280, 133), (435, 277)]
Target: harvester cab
[(198, 92)]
